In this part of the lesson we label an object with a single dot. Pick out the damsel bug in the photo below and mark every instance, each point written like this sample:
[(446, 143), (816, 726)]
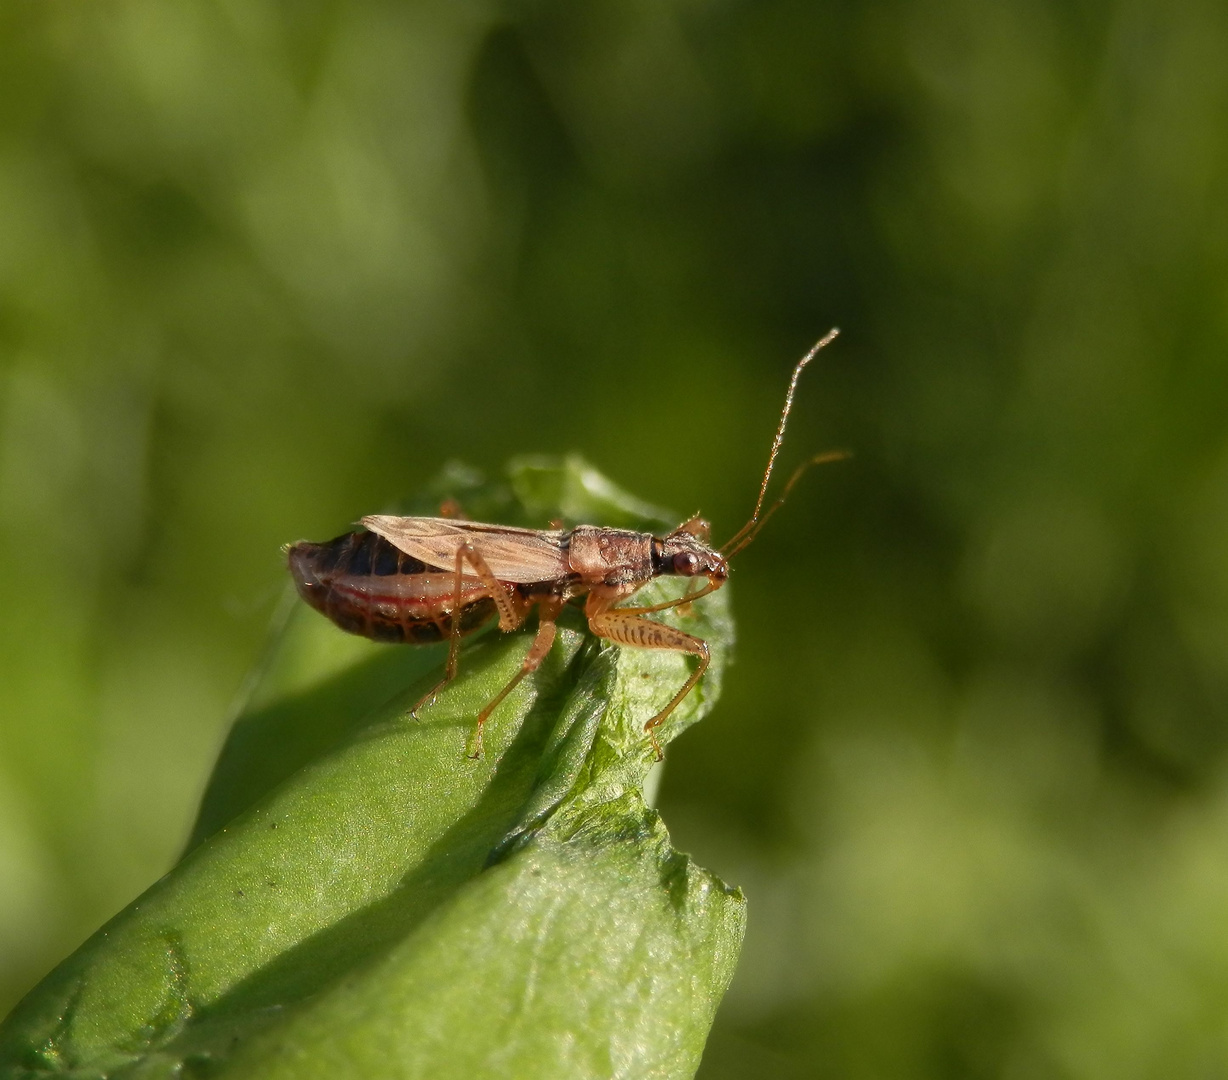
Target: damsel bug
[(421, 579)]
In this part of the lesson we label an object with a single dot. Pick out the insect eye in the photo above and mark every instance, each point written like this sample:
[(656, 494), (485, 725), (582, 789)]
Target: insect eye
[(685, 563)]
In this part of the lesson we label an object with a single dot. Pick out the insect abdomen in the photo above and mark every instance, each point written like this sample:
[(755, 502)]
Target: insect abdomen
[(366, 586)]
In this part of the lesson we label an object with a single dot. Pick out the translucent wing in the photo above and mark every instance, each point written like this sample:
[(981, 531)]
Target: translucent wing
[(518, 555)]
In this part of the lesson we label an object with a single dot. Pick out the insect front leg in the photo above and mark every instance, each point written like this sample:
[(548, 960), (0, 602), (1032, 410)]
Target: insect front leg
[(624, 626), (682, 603), (511, 615)]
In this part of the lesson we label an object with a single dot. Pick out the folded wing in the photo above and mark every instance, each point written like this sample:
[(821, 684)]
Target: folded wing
[(517, 555)]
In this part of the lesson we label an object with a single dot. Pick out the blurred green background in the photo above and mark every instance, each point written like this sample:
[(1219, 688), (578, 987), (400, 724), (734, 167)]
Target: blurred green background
[(265, 266)]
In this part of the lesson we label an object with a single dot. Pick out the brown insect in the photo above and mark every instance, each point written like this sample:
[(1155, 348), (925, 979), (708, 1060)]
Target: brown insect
[(423, 579)]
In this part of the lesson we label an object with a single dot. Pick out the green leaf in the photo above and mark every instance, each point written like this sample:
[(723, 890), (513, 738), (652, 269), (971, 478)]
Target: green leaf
[(361, 900)]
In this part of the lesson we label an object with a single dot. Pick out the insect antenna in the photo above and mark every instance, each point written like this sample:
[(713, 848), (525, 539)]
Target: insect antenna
[(750, 530)]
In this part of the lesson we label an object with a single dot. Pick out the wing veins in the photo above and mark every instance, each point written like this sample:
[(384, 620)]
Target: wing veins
[(513, 554)]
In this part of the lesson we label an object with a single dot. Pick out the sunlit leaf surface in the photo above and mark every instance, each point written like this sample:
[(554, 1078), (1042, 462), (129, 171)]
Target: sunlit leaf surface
[(360, 899)]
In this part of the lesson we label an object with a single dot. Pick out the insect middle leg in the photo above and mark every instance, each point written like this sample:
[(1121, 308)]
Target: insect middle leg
[(624, 626), (542, 640), (511, 615)]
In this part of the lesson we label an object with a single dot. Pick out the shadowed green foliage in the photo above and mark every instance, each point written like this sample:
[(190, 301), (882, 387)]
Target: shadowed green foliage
[(361, 900)]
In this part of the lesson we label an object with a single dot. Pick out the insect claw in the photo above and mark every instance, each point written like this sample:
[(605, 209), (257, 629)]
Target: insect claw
[(656, 746)]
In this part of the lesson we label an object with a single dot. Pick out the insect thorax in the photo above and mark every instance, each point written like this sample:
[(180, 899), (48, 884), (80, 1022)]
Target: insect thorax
[(610, 556)]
